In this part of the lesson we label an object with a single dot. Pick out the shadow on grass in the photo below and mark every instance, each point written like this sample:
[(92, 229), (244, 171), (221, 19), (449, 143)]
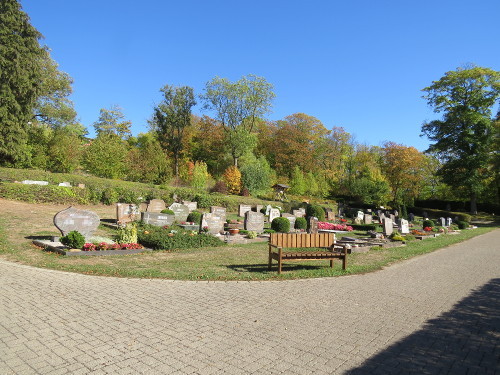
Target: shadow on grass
[(263, 268), (464, 340)]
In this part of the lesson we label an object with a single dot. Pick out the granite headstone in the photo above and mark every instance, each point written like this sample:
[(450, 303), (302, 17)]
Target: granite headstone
[(157, 219), (181, 211), (126, 213), (254, 221), (388, 227), (404, 227), (291, 218), (273, 213), (83, 221), (213, 222), (156, 205), (244, 208)]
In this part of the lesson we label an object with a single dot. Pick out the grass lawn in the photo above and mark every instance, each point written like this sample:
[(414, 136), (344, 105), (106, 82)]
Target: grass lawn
[(236, 262)]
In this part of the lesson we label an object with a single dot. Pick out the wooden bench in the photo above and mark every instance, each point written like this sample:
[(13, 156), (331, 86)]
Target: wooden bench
[(280, 241)]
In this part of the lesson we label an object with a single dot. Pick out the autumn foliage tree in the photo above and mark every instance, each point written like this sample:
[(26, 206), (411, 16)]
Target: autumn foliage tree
[(232, 178)]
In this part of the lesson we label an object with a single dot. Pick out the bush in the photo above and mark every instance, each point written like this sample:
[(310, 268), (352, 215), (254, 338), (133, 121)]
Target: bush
[(73, 240), (281, 224), (232, 178), (316, 211), (428, 223), (127, 234), (194, 217), (301, 223), (219, 187), (167, 212), (269, 231), (366, 227), (462, 224), (158, 238), (252, 234)]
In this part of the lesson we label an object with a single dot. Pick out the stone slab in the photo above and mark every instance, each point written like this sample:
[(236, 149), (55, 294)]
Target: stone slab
[(83, 221), (254, 221), (157, 219), (156, 205), (181, 211)]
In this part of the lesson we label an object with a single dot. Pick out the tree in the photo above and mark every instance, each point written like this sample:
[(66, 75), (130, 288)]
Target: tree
[(105, 156), (464, 135), (111, 122), (256, 175), (171, 117), (237, 106), (64, 151), (21, 58), (403, 168)]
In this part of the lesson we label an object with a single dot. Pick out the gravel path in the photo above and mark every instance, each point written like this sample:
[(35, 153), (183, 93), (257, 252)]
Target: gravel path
[(433, 314)]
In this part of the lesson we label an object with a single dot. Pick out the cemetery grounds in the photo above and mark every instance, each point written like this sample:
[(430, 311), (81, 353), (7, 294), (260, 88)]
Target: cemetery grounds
[(21, 222)]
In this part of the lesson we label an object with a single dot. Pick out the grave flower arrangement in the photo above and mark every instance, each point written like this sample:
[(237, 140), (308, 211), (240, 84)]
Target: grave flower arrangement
[(103, 246), (330, 226), (428, 229)]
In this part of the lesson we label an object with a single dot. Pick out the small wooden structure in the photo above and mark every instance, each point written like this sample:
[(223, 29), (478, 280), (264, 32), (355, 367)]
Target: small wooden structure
[(280, 191), (281, 241)]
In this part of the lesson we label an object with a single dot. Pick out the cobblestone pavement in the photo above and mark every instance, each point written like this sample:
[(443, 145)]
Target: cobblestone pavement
[(433, 314)]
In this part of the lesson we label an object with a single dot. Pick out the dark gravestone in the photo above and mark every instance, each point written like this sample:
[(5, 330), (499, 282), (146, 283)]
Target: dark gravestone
[(254, 221), (244, 208), (411, 217), (157, 219), (126, 213), (313, 225), (181, 211), (83, 221), (156, 205), (291, 218), (213, 222), (221, 211), (388, 227)]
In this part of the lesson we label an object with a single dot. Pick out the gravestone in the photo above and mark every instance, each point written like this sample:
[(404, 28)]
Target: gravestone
[(448, 221), (273, 213), (404, 227), (254, 221), (258, 207), (81, 186), (393, 217), (411, 217), (442, 221), (181, 211), (83, 221), (360, 215), (31, 182), (330, 215), (381, 218), (213, 222), (299, 212), (291, 218), (65, 184), (313, 225), (126, 213), (388, 228), (244, 208), (221, 211), (143, 207), (367, 219), (157, 219), (192, 206), (156, 205), (268, 209), (396, 213), (424, 215)]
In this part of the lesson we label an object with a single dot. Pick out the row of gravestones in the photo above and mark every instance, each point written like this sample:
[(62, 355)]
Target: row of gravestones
[(45, 183), (150, 212)]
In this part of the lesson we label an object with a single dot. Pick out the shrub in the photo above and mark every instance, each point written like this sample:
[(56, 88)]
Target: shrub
[(168, 212), (301, 223), (280, 224), (219, 187), (200, 175), (127, 234), (245, 192), (73, 239), (428, 223), (195, 217), (269, 231), (252, 234), (158, 238), (232, 178), (316, 211), (462, 224), (366, 227)]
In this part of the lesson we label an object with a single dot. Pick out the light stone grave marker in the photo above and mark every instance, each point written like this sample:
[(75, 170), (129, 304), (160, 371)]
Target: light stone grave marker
[(213, 222), (268, 209), (442, 221), (254, 221), (221, 211), (157, 219), (291, 218), (388, 228), (258, 207), (360, 215), (31, 182), (448, 221), (65, 184), (192, 206), (126, 213), (181, 211), (244, 208), (83, 221), (367, 219), (156, 205), (404, 227), (313, 225), (298, 213), (273, 213)]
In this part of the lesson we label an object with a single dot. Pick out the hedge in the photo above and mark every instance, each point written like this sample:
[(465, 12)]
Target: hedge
[(436, 214)]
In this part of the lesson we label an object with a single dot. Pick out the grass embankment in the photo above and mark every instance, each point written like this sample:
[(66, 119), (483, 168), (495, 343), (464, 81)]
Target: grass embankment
[(237, 262)]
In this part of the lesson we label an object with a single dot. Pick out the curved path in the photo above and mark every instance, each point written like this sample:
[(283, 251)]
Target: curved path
[(437, 313)]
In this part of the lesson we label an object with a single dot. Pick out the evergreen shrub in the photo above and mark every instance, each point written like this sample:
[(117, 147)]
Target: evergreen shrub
[(316, 211), (281, 224), (301, 223), (73, 240)]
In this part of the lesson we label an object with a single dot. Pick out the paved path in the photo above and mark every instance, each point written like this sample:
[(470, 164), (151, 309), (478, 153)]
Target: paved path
[(434, 314)]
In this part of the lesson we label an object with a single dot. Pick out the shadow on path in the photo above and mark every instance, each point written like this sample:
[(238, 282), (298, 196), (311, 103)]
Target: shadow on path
[(464, 340)]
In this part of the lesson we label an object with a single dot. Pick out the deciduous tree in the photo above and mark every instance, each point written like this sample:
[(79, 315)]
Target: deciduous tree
[(463, 137), (112, 122)]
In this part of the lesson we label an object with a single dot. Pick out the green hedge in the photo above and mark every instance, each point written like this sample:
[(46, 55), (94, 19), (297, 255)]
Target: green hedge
[(157, 238), (435, 214), (366, 227)]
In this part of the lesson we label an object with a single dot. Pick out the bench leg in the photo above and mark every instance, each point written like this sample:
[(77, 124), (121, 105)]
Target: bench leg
[(279, 265), (331, 263), (344, 262), (270, 258)]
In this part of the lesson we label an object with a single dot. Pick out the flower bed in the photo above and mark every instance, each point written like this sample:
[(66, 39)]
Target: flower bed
[(330, 226), (103, 246)]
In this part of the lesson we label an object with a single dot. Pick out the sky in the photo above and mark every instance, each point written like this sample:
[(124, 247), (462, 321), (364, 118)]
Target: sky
[(360, 65)]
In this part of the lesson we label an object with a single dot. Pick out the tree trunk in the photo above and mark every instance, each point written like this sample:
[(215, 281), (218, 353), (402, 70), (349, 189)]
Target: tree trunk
[(176, 165), (473, 203)]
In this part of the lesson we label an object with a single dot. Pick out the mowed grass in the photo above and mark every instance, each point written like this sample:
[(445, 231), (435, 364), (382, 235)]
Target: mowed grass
[(238, 262)]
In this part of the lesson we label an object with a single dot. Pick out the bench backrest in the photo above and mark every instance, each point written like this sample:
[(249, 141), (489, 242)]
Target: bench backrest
[(302, 239)]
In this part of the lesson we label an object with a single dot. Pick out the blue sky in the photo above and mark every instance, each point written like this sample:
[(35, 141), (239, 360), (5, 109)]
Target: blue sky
[(360, 65)]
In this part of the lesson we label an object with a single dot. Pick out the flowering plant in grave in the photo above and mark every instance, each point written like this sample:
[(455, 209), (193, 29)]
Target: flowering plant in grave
[(205, 229), (343, 220), (330, 226), (428, 229)]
